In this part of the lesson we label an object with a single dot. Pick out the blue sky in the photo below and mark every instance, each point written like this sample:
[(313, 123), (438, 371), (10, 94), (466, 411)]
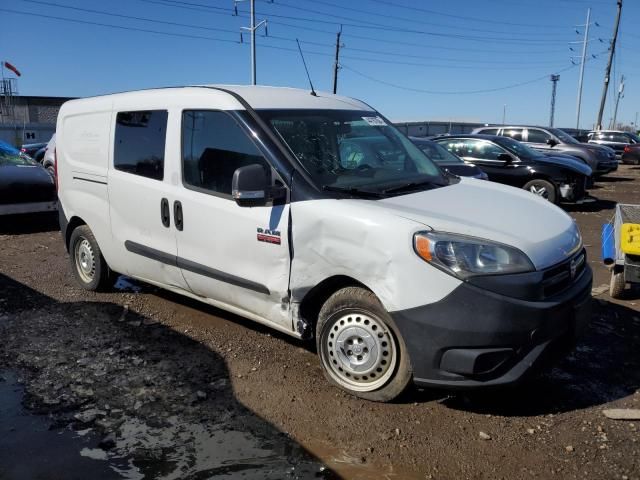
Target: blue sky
[(395, 51)]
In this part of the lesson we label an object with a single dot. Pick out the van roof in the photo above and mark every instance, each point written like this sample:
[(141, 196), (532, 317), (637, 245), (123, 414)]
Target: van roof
[(257, 96)]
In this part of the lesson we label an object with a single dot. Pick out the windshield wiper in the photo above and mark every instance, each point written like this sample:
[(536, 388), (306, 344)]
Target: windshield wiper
[(405, 187), (353, 191)]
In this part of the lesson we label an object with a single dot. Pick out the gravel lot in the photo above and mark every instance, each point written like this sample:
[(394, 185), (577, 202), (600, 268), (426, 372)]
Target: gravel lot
[(142, 383)]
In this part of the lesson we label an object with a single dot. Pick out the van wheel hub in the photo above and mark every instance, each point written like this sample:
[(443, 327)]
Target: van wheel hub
[(360, 351), (85, 260)]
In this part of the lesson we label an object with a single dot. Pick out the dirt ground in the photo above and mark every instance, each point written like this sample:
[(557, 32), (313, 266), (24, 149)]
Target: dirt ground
[(171, 388)]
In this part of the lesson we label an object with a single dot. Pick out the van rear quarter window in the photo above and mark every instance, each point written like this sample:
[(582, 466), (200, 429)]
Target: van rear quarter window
[(213, 147), (140, 142)]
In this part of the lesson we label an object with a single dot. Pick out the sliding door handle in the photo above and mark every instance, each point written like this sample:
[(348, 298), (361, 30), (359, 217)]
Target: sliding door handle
[(165, 214), (177, 215)]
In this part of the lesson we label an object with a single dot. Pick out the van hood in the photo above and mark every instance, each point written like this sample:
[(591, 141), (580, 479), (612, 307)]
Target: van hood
[(566, 161), (508, 215)]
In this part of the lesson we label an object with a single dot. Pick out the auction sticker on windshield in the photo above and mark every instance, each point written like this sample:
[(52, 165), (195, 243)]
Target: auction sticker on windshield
[(375, 121)]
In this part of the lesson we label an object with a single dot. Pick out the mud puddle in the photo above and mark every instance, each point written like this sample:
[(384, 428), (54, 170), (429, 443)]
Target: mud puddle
[(43, 447)]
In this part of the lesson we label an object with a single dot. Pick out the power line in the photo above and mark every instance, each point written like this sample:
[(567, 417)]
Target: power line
[(460, 17), (202, 37), (120, 27), (131, 17), (208, 8), (372, 26), (388, 16), (463, 92), (277, 37)]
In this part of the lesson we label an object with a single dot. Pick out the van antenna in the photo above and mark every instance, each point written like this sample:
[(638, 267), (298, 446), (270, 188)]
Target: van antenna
[(313, 92)]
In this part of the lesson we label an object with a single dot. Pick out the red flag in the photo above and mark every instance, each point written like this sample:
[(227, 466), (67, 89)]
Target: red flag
[(8, 66)]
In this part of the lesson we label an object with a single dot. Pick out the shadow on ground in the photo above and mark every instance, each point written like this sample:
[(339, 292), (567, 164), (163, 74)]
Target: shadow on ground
[(29, 223), (153, 403), (598, 205), (604, 366), (615, 179)]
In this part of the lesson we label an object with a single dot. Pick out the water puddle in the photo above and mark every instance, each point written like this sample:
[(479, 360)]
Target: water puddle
[(139, 450)]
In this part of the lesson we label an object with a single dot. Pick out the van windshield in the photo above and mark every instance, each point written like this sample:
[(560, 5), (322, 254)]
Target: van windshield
[(355, 151)]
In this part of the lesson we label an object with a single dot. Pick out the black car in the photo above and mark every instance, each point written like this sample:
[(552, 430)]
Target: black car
[(32, 149), (600, 158), (447, 160), (25, 185), (613, 139), (510, 162)]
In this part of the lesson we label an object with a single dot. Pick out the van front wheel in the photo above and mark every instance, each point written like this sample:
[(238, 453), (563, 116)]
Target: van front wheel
[(87, 263), (360, 349)]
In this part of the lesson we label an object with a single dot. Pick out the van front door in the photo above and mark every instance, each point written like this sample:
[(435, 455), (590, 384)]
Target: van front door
[(139, 199), (234, 256)]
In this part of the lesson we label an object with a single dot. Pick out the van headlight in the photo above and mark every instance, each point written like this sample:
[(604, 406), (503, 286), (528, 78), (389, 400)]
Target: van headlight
[(468, 256)]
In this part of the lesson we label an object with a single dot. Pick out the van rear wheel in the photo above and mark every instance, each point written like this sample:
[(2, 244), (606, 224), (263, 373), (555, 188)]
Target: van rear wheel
[(360, 349), (87, 263)]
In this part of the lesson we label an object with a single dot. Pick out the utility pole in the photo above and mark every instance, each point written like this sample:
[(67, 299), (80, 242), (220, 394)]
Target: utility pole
[(554, 81), (585, 41), (504, 113), (607, 74), (620, 95), (252, 30), (336, 64)]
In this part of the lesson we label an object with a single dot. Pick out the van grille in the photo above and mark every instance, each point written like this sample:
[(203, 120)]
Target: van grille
[(560, 277)]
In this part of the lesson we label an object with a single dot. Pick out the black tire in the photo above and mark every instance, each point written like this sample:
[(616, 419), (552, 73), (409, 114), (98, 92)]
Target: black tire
[(51, 170), (92, 274), (617, 284), (548, 190), (347, 315)]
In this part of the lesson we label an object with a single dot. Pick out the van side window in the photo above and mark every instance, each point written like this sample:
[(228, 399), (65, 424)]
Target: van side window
[(213, 147), (139, 143)]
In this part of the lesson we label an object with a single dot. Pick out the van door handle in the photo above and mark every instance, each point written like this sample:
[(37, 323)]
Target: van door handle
[(177, 215), (165, 214)]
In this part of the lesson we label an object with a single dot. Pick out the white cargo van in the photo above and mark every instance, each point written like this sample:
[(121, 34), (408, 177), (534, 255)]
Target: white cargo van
[(312, 214)]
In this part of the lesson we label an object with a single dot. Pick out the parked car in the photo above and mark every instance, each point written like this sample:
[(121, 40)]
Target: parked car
[(265, 205), (32, 149), (25, 186), (447, 160), (613, 139), (602, 160), (513, 163), (631, 154), (49, 160)]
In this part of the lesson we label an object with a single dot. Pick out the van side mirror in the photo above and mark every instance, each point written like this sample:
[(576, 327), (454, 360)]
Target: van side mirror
[(250, 186), (552, 142), (505, 157)]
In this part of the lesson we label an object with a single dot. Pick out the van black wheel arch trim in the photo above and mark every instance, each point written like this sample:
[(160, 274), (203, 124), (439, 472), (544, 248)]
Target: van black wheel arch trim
[(194, 267)]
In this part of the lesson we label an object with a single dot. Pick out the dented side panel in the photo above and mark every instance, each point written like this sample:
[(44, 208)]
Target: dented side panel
[(358, 239)]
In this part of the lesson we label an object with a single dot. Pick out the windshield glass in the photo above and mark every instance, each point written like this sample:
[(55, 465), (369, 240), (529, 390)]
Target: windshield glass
[(438, 153), (350, 149), (563, 136), (12, 156), (520, 149)]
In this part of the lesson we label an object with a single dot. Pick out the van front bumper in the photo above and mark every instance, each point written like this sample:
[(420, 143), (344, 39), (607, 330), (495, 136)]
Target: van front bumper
[(476, 338)]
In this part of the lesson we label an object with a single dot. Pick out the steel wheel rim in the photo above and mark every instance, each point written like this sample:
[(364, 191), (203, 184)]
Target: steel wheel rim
[(85, 260), (359, 351), (541, 191)]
